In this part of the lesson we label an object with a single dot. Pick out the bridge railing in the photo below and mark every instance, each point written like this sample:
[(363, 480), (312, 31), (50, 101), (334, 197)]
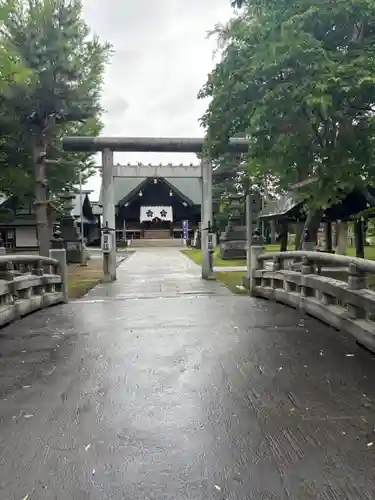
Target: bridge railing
[(333, 288), (29, 283)]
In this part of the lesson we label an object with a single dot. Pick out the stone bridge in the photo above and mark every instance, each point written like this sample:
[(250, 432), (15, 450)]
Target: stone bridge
[(164, 386)]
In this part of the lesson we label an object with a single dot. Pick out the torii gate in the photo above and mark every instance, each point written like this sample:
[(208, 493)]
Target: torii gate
[(108, 145)]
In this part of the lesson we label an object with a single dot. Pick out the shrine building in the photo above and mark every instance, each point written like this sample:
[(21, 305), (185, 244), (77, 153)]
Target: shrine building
[(155, 208)]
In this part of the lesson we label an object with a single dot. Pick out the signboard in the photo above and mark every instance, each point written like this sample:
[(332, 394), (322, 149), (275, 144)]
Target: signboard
[(185, 229), (148, 214), (106, 242)]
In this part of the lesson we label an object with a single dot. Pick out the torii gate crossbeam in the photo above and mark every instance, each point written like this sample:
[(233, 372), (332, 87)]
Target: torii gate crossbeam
[(172, 171), (107, 146), (147, 144)]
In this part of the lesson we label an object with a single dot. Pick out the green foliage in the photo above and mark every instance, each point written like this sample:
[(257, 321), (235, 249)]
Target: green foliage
[(52, 40), (65, 174), (297, 79), (60, 95), (12, 69)]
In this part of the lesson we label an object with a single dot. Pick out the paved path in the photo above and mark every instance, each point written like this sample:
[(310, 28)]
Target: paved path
[(97, 254), (164, 387)]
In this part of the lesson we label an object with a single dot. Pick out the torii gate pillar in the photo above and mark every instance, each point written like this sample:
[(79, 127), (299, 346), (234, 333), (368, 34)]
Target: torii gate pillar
[(109, 219)]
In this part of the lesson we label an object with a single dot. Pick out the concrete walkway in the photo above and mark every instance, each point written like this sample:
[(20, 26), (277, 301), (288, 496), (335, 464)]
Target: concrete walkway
[(161, 386)]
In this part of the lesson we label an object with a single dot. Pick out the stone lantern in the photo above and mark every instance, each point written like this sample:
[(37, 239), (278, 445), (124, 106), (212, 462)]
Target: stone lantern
[(68, 229), (233, 241)]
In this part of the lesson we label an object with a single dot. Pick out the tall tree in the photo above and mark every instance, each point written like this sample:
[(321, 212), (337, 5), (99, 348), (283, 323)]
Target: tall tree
[(67, 65), (297, 79), (13, 72), (12, 69), (234, 176)]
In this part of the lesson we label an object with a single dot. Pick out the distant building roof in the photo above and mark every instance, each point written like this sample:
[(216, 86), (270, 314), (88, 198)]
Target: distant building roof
[(3, 198), (86, 206), (189, 187), (281, 207), (76, 210), (97, 209), (288, 206)]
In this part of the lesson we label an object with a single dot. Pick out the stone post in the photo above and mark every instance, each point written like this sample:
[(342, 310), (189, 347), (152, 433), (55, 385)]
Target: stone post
[(356, 281), (255, 264), (60, 255), (249, 234), (2, 247), (342, 238), (307, 243), (109, 259)]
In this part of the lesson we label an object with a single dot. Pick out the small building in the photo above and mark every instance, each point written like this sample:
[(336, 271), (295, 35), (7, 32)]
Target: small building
[(155, 208), (18, 222), (289, 213), (91, 212)]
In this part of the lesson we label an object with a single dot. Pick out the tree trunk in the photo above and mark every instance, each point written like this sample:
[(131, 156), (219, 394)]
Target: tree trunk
[(328, 236), (359, 238), (311, 227), (299, 232), (284, 237), (50, 217), (41, 201)]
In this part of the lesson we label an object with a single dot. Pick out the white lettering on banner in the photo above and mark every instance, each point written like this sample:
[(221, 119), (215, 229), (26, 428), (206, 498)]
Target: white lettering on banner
[(150, 213)]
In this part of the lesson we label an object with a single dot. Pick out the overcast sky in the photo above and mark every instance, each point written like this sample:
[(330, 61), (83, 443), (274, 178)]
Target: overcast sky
[(161, 60)]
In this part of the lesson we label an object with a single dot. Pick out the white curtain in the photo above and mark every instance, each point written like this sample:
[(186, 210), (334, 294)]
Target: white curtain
[(162, 213)]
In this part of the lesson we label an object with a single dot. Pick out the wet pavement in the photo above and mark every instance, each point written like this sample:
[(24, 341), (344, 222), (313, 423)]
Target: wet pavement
[(162, 386)]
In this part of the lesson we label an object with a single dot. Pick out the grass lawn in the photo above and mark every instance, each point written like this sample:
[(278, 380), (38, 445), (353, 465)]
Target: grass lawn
[(369, 251), (231, 279), (276, 248), (196, 256), (82, 279), (124, 250)]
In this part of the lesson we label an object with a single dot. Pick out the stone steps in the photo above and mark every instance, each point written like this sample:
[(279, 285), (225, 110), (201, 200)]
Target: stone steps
[(165, 242)]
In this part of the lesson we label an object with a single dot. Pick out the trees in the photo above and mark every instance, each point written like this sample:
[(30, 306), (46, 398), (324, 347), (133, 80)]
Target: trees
[(227, 177), (297, 79), (62, 95), (233, 178), (13, 72), (12, 69)]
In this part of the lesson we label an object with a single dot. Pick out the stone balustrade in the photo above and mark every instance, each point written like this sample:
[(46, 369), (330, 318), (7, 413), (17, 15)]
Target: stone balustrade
[(333, 288), (29, 283)]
